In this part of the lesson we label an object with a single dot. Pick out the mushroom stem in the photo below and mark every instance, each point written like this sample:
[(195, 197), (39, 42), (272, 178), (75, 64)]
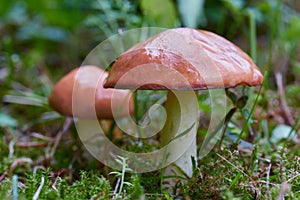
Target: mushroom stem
[(182, 115)]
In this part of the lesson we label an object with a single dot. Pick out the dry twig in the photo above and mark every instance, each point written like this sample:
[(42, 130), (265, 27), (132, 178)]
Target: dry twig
[(285, 187), (67, 125), (285, 109), (38, 191), (268, 181)]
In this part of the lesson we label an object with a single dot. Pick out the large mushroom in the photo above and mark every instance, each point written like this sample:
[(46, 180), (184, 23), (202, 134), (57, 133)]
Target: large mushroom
[(182, 60), (88, 79)]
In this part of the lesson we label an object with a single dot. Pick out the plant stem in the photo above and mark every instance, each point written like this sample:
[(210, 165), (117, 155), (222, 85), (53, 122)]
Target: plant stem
[(122, 177), (253, 41)]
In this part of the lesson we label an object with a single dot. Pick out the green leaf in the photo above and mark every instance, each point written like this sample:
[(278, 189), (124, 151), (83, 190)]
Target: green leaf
[(292, 31), (115, 173), (235, 180), (182, 134), (241, 102), (232, 96), (128, 169), (26, 98), (7, 121), (234, 5), (191, 12), (281, 132), (119, 161), (246, 114), (127, 183), (159, 13)]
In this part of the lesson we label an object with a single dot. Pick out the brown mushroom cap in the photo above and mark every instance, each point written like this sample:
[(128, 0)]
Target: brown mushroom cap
[(205, 59), (86, 81)]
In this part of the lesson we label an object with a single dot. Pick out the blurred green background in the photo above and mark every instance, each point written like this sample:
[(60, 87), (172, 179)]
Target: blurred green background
[(42, 40)]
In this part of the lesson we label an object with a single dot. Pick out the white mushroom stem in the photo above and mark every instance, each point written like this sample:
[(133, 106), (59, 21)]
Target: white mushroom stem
[(180, 118)]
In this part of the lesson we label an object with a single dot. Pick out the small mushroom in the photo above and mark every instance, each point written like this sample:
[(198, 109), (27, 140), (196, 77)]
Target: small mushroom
[(204, 60), (86, 79)]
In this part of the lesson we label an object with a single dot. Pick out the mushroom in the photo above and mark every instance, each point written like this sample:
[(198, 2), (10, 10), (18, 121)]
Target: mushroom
[(181, 60), (86, 78)]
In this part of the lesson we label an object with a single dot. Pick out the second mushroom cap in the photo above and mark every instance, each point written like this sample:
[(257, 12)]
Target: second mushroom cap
[(87, 81)]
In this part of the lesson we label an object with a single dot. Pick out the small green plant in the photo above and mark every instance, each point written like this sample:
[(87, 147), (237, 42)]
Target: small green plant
[(122, 162)]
